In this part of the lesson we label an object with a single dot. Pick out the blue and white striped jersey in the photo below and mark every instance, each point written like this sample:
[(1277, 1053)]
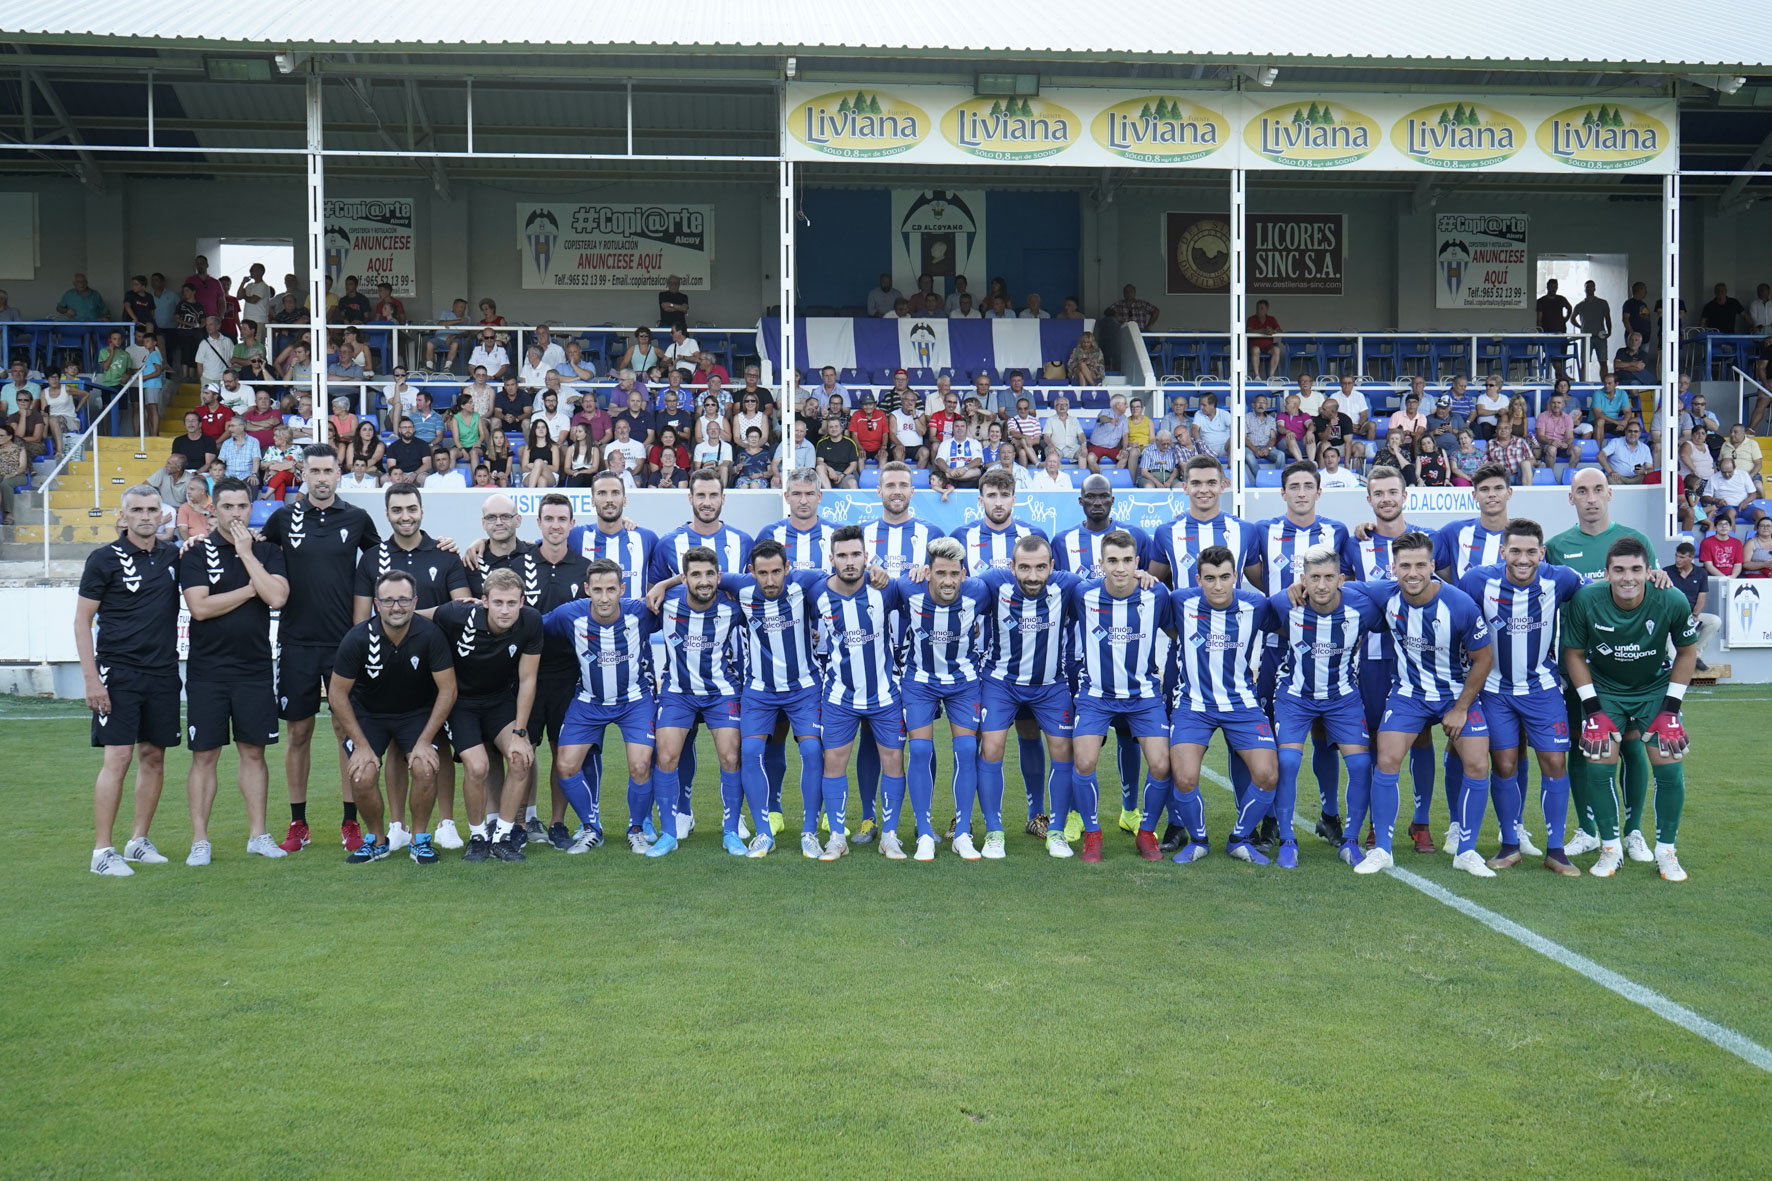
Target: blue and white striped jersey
[(614, 659), (1464, 545), (1027, 635), (1178, 543), (941, 640), (898, 547), (780, 630), (1216, 648), (700, 646), (1279, 545), (1320, 650), (1116, 642), (860, 673), (808, 549), (631, 549), (1370, 561), (1434, 640), (1522, 622), (993, 549), (1078, 549), (731, 546)]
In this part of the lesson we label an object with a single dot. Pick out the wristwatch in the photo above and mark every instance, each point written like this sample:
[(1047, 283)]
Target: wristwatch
[(520, 733)]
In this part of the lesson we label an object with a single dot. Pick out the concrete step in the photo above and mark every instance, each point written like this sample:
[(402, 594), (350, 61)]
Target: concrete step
[(88, 532)]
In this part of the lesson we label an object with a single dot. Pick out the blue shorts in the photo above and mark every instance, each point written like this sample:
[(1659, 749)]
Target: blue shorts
[(717, 711), (922, 702), (841, 723), (999, 704), (1375, 690), (1244, 729), (585, 722), (1541, 715), (760, 710), (1410, 715), (1343, 717), (1145, 717)]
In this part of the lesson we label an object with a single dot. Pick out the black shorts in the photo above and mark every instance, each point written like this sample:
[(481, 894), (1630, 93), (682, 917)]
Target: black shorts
[(250, 706), (548, 714), (478, 721), (144, 708), (384, 730), (302, 670)]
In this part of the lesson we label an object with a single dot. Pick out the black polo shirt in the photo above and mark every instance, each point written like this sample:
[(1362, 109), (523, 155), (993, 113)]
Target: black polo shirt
[(235, 646), (485, 662), (320, 548), (393, 679), (138, 599), (437, 572), (546, 585)]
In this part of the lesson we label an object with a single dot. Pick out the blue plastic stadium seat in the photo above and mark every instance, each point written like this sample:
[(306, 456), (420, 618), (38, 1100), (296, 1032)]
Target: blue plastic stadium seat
[(1590, 451), (852, 377), (1093, 399), (261, 512), (1543, 477), (919, 478), (1267, 478), (1119, 477), (869, 477)]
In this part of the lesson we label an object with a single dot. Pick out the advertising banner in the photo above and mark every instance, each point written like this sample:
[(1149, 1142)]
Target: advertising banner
[(1747, 612), (1217, 129), (1480, 261), (371, 238), (939, 233), (1289, 253), (615, 247)]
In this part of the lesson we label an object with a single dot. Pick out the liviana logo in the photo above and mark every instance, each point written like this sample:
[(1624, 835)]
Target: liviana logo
[(1603, 136), (1458, 135), (1163, 130), (1318, 135), (859, 125), (1010, 128)]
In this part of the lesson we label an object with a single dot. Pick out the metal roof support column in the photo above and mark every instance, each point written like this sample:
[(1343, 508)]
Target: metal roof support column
[(317, 359), (1670, 348), (1239, 339), (785, 379)]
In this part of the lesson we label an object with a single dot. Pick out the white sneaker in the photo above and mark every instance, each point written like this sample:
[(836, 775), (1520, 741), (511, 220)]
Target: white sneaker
[(1611, 857), (1523, 838), (446, 835), (744, 830), (200, 851), (1451, 845), (838, 846), (1668, 864), (1056, 845), (265, 845), (638, 842), (925, 849), (1375, 860), (1471, 862), (398, 837), (685, 824), (1582, 842), (994, 849), (108, 863), (142, 850), (1636, 848), (962, 847), (585, 840), (810, 848), (891, 847)]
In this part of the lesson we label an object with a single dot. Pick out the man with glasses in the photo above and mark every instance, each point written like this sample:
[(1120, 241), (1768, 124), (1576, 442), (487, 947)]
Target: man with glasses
[(491, 354)]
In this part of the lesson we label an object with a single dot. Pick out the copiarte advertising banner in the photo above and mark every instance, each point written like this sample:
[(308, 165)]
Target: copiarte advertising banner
[(371, 238), (1289, 253), (1480, 261), (1210, 129), (615, 247)]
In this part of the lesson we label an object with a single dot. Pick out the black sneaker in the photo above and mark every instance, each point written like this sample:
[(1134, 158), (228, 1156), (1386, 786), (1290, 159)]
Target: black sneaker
[(1174, 837), (422, 851), (508, 849), (532, 830), (1267, 835), (479, 849), (559, 837), (953, 827), (1703, 667), (369, 850), (1329, 828)]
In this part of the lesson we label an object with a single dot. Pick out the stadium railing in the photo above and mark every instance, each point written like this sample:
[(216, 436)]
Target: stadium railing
[(77, 448), (602, 344), (1436, 355), (42, 339), (1742, 384)]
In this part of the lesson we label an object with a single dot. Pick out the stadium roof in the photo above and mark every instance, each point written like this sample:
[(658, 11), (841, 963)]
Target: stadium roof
[(1502, 34)]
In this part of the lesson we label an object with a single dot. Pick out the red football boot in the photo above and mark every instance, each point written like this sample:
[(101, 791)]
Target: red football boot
[(297, 840), (351, 834), (1091, 846), (1147, 845)]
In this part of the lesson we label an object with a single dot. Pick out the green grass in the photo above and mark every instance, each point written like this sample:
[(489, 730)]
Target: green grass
[(609, 1014)]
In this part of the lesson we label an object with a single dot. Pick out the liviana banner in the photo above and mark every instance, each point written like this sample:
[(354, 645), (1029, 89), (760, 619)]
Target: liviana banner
[(1201, 129)]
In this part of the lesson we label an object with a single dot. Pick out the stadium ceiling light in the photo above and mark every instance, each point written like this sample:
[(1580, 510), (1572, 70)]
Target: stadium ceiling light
[(1722, 83), (1263, 76), (1006, 85), (792, 68)]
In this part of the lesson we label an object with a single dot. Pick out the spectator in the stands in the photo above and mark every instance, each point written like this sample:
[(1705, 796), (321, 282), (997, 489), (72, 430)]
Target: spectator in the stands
[(81, 302), (964, 309), (573, 366), (711, 447), (214, 352), (999, 309), (683, 351), (1086, 366), (1107, 441), (677, 412), (668, 443), (640, 355), (1553, 316), (829, 387), (541, 458), (1635, 315), (342, 420), (490, 354), (1212, 427), (839, 457), (893, 397), (1129, 309), (1355, 406), (344, 366), (194, 518), (1050, 477), (673, 304), (280, 464), (558, 418), (707, 370), (958, 462), (1431, 469), (489, 313), (170, 480), (240, 452), (427, 424), (1702, 425), (511, 405), (1759, 555), (1593, 317), (669, 473), (212, 415), (901, 309), (1491, 407), (533, 372), (468, 430), (629, 444), (795, 453), (1331, 427), (1178, 414), (1033, 310), (20, 390), (441, 475), (1331, 476), (1625, 458), (642, 427), (1072, 311), (1008, 398), (934, 308), (871, 430), (1723, 313), (365, 444), (1310, 399), (1632, 363), (1159, 464), (138, 305), (1555, 428), (194, 447), (1023, 434), (1064, 434), (247, 348), (1409, 420), (388, 307), (1140, 431), (450, 341), (953, 299), (1264, 341), (353, 306), (881, 299), (14, 463), (1262, 437), (262, 418), (551, 352), (753, 466), (1744, 449), (673, 384), (910, 430), (1729, 495), (1512, 452), (1444, 425), (1609, 410)]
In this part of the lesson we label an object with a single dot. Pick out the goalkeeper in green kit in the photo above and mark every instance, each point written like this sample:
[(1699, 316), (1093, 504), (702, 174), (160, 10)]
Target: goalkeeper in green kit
[(1615, 636)]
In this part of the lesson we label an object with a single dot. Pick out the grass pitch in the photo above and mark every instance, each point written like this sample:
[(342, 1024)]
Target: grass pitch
[(700, 1014)]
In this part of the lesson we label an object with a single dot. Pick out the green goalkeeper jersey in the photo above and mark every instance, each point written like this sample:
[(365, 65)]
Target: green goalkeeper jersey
[(1585, 553), (1626, 650)]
